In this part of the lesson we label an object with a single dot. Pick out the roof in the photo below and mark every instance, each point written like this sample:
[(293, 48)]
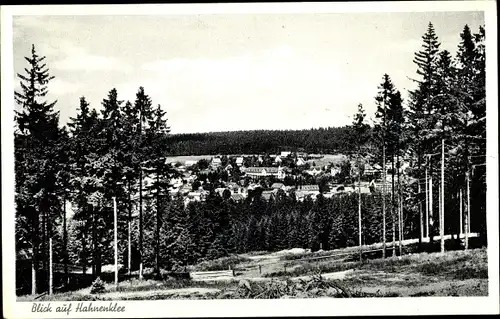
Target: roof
[(277, 185), (309, 188), (239, 160), (216, 160), (258, 170), (301, 193), (267, 194), (237, 197)]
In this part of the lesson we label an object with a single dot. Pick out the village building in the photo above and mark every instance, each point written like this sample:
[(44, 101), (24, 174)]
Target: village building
[(309, 188), (335, 170), (278, 186), (285, 154), (237, 197), (305, 190), (369, 170), (239, 161), (300, 162), (189, 163), (267, 195), (278, 160), (313, 171), (255, 172), (215, 163)]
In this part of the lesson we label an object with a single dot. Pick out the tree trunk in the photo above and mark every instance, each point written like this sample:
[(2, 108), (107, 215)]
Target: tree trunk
[(157, 232), (359, 216), (441, 222), (392, 210), (94, 243), (65, 243), (84, 247), (383, 203), (140, 223), (129, 235), (431, 208), (400, 208), (467, 217), (34, 247), (426, 210), (44, 247)]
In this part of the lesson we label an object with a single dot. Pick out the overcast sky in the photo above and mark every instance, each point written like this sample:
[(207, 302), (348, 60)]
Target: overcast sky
[(235, 72)]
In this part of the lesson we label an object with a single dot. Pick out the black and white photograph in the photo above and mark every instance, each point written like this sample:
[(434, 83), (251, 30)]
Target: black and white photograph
[(263, 152)]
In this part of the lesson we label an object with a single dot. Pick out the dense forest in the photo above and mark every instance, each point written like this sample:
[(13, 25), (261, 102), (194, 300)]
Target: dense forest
[(323, 140), (102, 155)]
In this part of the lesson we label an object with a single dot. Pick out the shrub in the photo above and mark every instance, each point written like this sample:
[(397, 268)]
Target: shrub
[(316, 286), (222, 263), (97, 286)]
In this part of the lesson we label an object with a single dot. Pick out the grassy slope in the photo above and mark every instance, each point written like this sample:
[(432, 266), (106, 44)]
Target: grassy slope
[(456, 273)]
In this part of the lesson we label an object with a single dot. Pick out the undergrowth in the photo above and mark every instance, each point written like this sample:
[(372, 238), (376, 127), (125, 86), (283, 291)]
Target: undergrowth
[(221, 263)]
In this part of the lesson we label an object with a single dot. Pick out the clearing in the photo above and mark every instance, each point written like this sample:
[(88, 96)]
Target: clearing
[(298, 273)]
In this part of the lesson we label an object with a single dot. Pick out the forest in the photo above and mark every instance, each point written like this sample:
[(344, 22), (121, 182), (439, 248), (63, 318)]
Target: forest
[(101, 156), (329, 140)]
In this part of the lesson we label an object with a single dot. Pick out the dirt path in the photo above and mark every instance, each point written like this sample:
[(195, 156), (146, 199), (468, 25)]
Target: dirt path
[(148, 294)]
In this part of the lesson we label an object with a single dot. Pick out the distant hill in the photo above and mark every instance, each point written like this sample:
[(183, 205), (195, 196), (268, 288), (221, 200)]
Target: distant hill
[(322, 140)]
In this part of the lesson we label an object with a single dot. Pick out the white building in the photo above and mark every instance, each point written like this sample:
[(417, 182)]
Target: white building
[(239, 161)]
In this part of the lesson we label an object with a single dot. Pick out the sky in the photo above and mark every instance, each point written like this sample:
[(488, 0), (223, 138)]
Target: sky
[(227, 72)]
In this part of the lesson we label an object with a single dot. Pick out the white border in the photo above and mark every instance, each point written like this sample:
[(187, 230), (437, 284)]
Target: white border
[(237, 308)]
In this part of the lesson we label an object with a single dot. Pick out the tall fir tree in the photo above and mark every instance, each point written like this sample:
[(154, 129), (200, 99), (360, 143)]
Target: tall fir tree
[(143, 108), (36, 161), (422, 108)]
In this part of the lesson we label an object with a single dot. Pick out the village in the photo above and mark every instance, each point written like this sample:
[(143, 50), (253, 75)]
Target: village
[(295, 173)]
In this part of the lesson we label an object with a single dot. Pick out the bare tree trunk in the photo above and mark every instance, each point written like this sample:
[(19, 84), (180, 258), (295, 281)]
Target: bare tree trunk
[(392, 209), (426, 210), (94, 243), (400, 208), (129, 249), (65, 243), (461, 212), (467, 217), (441, 223), (384, 239), (359, 216), (140, 195), (34, 247), (44, 247), (157, 232), (140, 223), (84, 248), (51, 283), (431, 208)]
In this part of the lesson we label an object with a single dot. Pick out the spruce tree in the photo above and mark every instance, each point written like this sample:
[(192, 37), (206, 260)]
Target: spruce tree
[(143, 108), (35, 160), (383, 100), (422, 106)]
